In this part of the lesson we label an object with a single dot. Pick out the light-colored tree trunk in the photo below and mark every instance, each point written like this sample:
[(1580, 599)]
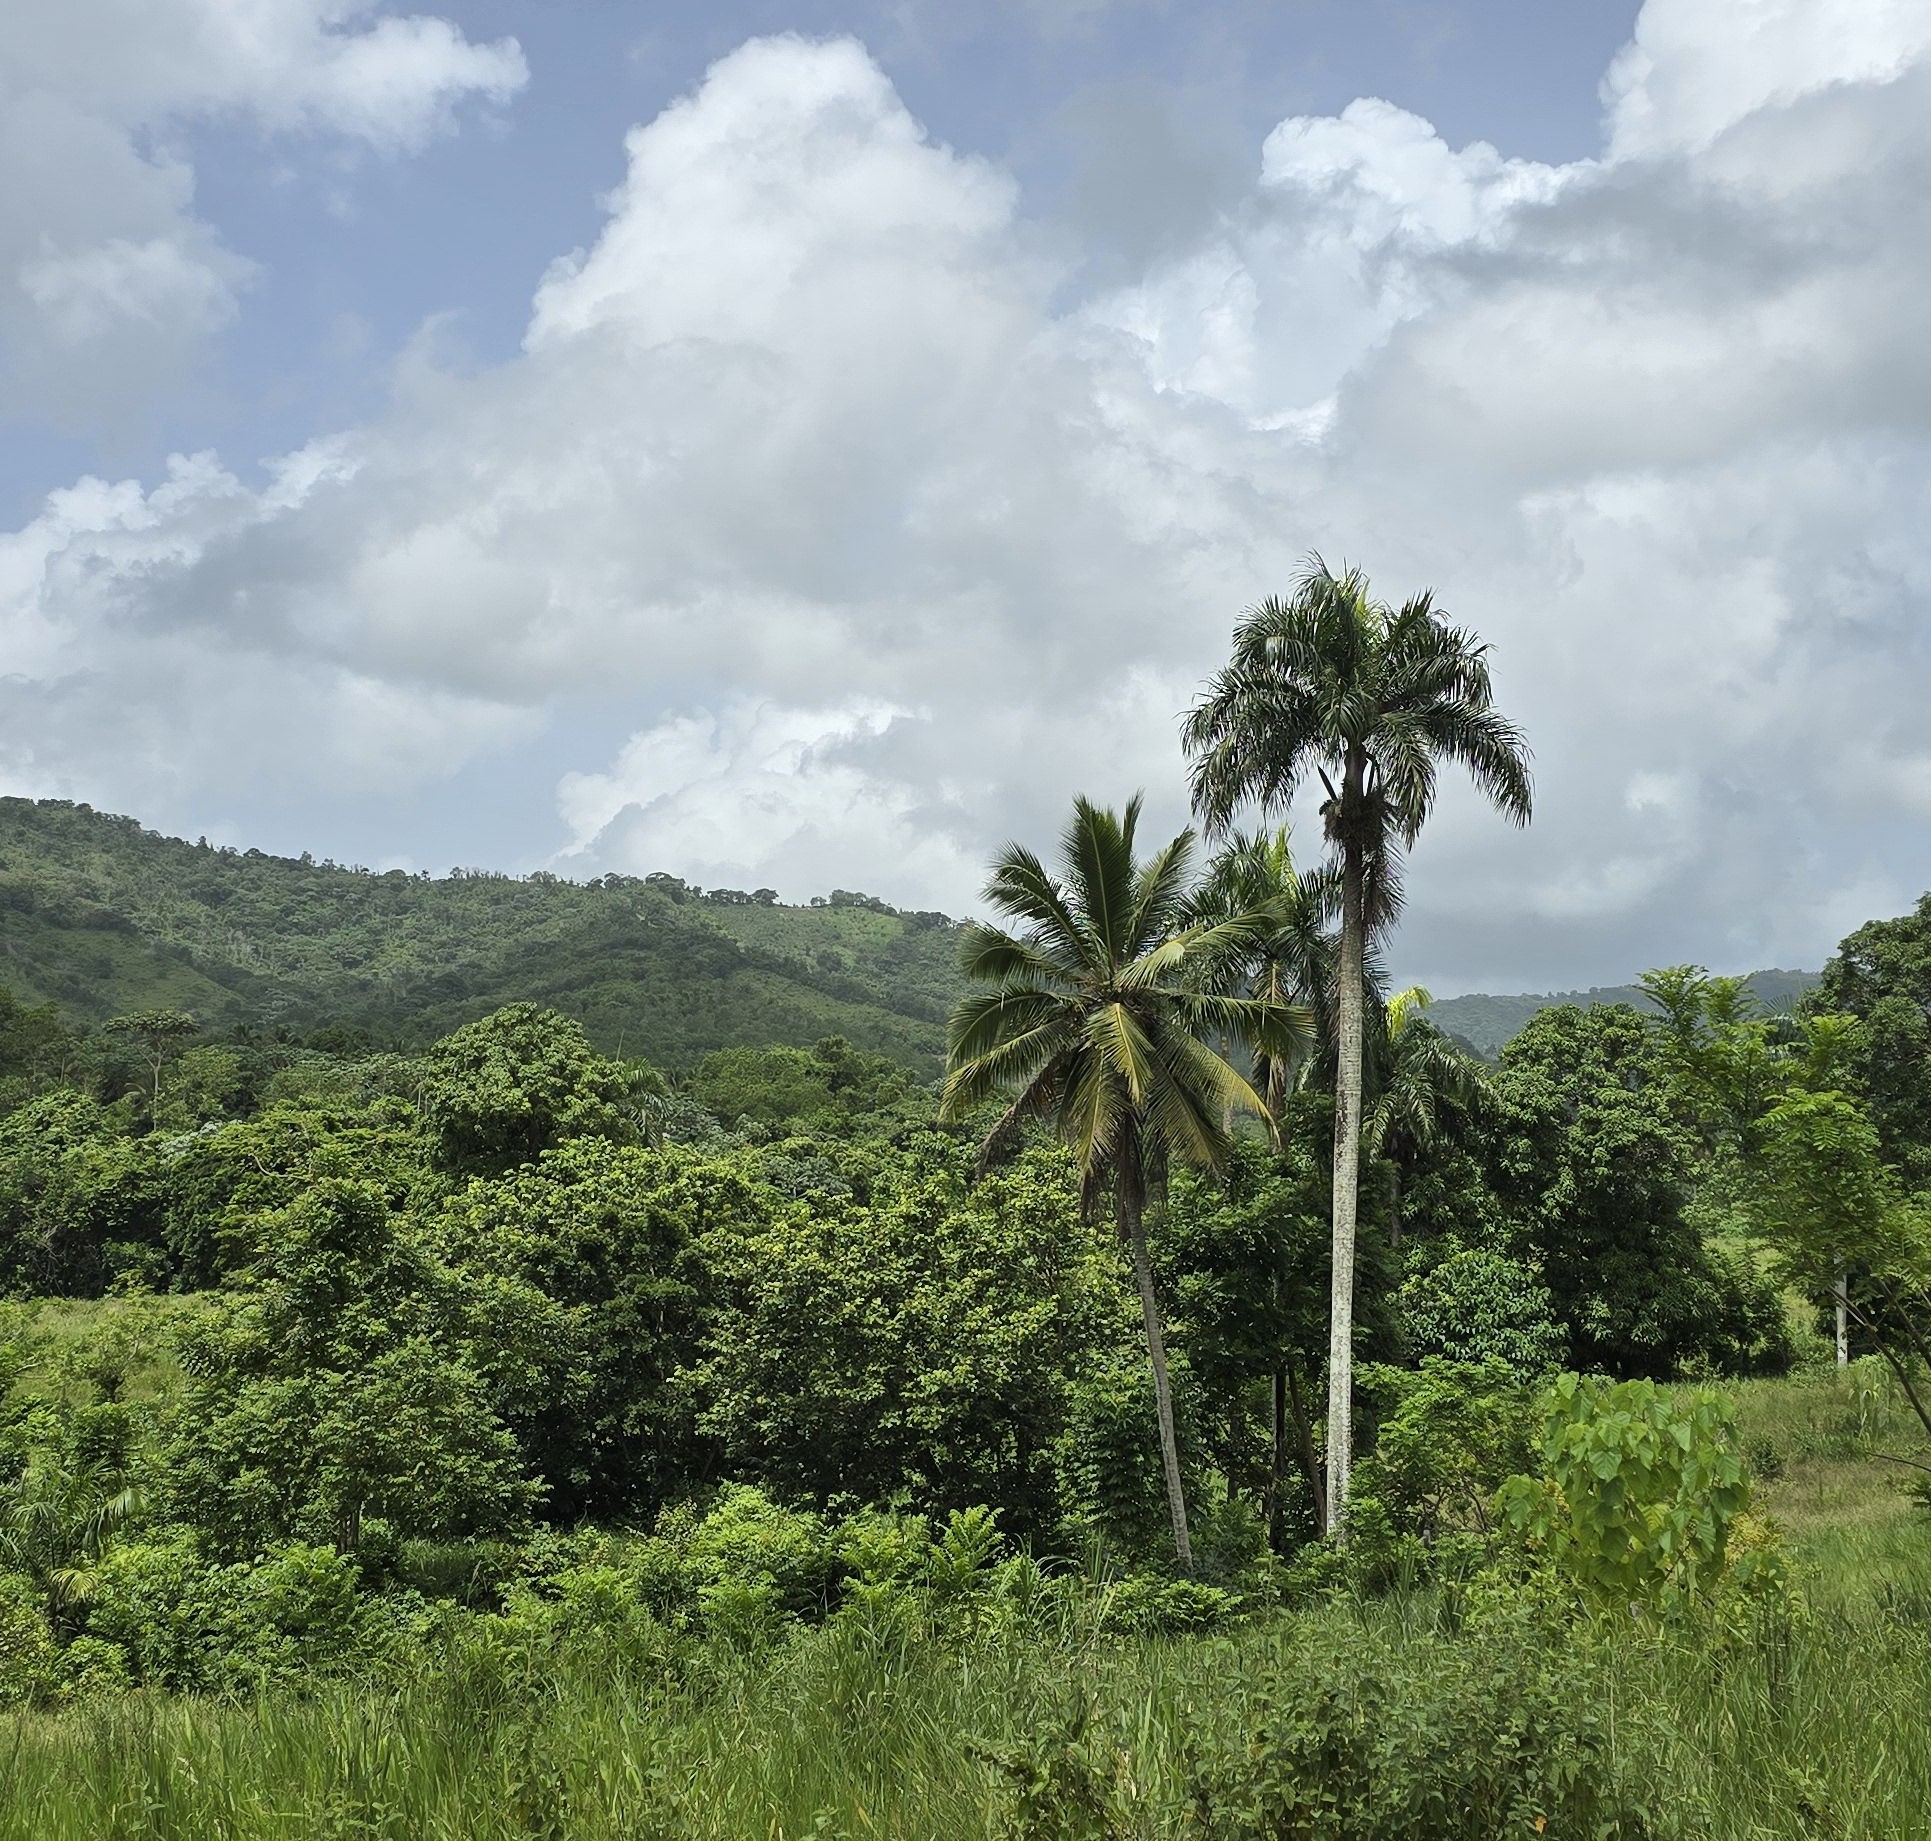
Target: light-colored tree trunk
[(1133, 1221), (1347, 1176), (1841, 1292)]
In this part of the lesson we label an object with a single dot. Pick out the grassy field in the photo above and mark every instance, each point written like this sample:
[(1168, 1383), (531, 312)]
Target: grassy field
[(1422, 1716), (82, 1348)]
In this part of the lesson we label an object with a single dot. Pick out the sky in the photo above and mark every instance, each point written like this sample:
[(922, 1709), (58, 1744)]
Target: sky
[(805, 444)]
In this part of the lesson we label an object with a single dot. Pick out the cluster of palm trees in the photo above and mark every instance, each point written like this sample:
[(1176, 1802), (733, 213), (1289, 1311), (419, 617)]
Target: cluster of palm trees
[(1117, 1001)]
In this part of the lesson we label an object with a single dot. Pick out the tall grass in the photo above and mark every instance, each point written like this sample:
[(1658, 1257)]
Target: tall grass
[(1786, 1726)]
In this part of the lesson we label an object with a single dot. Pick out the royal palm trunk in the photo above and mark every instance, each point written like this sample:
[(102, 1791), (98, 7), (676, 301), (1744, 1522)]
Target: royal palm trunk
[(1347, 1173)]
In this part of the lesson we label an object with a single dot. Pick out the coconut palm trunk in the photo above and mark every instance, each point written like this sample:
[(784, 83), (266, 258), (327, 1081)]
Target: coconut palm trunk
[(1131, 1202), (1347, 1188), (1098, 1020)]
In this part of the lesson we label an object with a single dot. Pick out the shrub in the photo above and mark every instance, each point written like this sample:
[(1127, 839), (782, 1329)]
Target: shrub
[(192, 1627), (1450, 1436), (1362, 1738), (29, 1662), (1481, 1306), (1638, 1491)]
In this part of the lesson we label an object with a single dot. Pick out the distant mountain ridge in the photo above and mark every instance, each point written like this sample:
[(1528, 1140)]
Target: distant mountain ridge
[(1489, 1021), (103, 917)]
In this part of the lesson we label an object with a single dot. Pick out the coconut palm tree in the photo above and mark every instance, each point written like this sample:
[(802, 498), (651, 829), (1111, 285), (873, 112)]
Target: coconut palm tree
[(1419, 1080), (1291, 960), (1098, 1021), (1369, 699)]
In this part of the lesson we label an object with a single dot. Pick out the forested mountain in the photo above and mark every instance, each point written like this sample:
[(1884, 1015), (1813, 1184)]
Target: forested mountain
[(1486, 1022), (104, 917)]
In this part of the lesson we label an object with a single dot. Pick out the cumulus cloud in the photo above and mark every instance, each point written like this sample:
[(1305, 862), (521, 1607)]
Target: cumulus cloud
[(887, 549), (109, 283)]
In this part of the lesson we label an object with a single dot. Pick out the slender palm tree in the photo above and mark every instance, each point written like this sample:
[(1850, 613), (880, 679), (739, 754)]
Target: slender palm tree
[(1098, 1021), (1369, 699)]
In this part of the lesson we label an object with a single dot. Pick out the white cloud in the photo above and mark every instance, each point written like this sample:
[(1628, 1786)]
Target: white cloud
[(883, 552), (109, 283), (1697, 67), (759, 791)]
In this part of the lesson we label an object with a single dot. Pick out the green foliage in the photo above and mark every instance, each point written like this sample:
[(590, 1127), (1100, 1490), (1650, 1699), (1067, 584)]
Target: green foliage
[(1358, 1739), (1596, 1164), (821, 1087), (80, 1201), (1638, 1494), (221, 1185), (357, 1375), (1450, 1435), (500, 1092), (1881, 975), (1476, 1305), (608, 1234), (912, 1338), (283, 1618)]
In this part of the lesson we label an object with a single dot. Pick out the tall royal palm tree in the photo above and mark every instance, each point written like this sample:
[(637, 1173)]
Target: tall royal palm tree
[(1369, 699), (1098, 1020)]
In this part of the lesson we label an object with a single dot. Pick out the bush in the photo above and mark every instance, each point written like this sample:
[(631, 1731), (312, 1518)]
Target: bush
[(1451, 1435), (1480, 1306), (1353, 1732), (29, 1662), (1359, 1738), (193, 1628), (1637, 1494)]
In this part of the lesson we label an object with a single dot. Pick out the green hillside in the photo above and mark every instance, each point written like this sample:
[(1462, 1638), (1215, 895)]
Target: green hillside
[(103, 917), (1489, 1021)]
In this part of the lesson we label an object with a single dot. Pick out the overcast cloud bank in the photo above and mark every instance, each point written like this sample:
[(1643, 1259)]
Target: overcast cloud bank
[(892, 549)]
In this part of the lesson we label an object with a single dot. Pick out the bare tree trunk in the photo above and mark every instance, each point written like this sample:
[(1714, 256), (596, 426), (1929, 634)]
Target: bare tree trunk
[(1347, 1175), (1277, 1461), (1133, 1221), (1841, 1291), (1310, 1464)]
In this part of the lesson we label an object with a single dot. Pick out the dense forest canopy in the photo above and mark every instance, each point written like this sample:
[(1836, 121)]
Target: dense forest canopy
[(476, 1267)]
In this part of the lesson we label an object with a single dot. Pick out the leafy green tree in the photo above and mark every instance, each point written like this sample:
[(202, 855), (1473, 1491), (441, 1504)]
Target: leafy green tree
[(1832, 1209), (69, 1495), (1244, 1255), (1100, 1018), (615, 1236), (80, 1201), (502, 1091), (1881, 974), (157, 1036), (224, 1187), (1370, 699), (820, 1087), (1477, 1305), (36, 1048), (1594, 1167), (355, 1376), (917, 1338)]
